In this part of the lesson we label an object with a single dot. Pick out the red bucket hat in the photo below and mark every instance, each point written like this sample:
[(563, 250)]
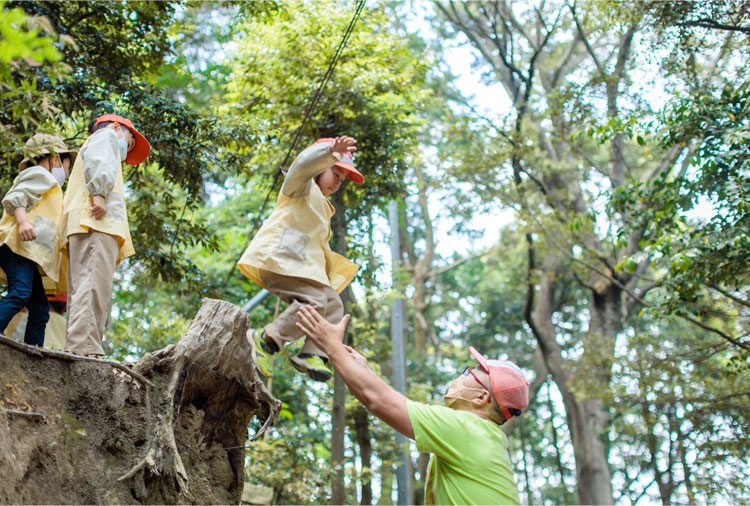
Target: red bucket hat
[(509, 388), (346, 163), (142, 147)]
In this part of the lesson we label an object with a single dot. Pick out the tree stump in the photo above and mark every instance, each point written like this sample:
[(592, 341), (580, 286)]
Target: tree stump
[(169, 429)]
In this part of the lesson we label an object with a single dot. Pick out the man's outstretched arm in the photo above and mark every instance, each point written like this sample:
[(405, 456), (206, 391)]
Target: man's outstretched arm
[(376, 395)]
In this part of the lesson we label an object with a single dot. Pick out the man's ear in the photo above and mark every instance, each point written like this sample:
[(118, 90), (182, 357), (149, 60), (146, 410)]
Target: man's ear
[(482, 399)]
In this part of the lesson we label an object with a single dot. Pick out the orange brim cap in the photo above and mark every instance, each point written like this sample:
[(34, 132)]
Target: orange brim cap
[(142, 147), (346, 163)]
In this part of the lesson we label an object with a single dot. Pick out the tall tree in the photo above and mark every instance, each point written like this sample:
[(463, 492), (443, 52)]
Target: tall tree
[(563, 65)]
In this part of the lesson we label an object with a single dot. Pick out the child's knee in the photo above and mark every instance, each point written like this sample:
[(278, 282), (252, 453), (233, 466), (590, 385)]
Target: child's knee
[(19, 292)]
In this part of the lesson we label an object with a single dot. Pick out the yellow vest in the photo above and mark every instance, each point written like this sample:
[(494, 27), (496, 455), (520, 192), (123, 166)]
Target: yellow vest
[(294, 242), (77, 217), (44, 250)]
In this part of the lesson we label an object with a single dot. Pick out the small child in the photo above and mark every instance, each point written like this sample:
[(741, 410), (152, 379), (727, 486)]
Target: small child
[(290, 256), (94, 230), (29, 241)]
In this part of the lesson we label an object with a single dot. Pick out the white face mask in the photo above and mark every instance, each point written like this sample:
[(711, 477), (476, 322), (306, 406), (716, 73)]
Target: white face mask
[(123, 145), (59, 174)]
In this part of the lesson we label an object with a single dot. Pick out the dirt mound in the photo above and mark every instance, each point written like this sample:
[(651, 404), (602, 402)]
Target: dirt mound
[(170, 429)]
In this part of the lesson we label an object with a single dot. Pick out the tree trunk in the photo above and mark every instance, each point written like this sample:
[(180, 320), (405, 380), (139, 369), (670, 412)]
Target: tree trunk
[(422, 462), (338, 487), (386, 484), (586, 418), (170, 429), (422, 267), (362, 429)]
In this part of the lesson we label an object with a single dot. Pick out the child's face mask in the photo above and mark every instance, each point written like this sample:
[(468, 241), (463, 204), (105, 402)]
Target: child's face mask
[(123, 148), (122, 144), (57, 170), (59, 174)]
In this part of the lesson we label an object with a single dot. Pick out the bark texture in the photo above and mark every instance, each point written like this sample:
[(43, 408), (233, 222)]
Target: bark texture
[(171, 428)]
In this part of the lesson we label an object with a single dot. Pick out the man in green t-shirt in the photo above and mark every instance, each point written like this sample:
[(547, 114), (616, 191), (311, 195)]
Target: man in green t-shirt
[(469, 463)]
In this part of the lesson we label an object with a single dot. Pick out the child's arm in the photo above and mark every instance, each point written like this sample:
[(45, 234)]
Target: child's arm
[(308, 164), (27, 190), (100, 165), (312, 161)]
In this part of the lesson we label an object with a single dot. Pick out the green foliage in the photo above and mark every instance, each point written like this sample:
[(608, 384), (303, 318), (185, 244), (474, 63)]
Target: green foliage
[(374, 94), (292, 464), (681, 411), (700, 257), (117, 53), (27, 45)]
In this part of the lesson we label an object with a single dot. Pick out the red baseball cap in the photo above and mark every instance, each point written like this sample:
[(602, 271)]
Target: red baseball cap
[(59, 297), (509, 388), (142, 147), (346, 163)]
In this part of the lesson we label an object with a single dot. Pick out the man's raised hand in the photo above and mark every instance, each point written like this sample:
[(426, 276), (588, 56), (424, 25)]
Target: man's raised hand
[(323, 333)]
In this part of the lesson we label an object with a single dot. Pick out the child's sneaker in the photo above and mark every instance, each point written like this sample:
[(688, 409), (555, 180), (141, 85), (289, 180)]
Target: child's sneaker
[(261, 354), (312, 365)]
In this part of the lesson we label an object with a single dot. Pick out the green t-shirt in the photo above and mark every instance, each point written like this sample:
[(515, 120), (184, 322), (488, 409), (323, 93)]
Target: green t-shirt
[(469, 463)]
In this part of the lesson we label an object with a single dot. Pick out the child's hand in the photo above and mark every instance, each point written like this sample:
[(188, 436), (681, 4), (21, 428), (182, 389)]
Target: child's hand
[(99, 209), (344, 144), (26, 231)]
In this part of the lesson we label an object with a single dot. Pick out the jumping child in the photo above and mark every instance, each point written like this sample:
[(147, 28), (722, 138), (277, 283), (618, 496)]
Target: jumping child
[(290, 256), (29, 244)]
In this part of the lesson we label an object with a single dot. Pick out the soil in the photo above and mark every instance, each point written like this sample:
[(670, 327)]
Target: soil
[(74, 430)]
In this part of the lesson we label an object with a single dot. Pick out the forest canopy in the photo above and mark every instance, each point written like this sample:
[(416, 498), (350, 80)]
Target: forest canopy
[(582, 208)]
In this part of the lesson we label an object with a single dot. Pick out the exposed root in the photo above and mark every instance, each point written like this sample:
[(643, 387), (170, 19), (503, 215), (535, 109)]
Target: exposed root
[(41, 352)]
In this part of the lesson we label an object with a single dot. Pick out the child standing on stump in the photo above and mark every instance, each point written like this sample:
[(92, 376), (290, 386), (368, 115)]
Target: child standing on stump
[(290, 256), (32, 209), (94, 229)]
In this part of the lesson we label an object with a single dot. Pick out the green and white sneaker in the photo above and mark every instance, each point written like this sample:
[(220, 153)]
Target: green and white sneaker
[(262, 356), (312, 365)]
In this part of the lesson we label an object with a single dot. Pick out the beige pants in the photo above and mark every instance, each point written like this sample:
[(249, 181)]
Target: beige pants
[(296, 292), (91, 268)]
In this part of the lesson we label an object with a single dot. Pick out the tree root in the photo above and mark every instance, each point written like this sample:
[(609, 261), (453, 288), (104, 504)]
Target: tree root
[(63, 355)]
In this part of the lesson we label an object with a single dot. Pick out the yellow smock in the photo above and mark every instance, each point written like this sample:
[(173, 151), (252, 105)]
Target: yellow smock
[(293, 241), (36, 190), (97, 171)]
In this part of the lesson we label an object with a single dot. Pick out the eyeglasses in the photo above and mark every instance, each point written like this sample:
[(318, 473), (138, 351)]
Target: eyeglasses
[(468, 371)]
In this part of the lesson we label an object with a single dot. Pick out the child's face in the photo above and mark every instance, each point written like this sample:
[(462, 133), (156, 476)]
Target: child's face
[(330, 180), (63, 162), (124, 133)]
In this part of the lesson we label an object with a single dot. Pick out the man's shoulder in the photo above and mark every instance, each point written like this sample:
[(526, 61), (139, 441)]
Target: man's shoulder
[(438, 412)]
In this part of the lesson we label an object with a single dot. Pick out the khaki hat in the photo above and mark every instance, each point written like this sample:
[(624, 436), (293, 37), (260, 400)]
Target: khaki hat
[(44, 144)]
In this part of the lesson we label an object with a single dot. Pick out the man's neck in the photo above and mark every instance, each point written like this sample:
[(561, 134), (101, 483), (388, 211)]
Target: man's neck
[(484, 414)]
